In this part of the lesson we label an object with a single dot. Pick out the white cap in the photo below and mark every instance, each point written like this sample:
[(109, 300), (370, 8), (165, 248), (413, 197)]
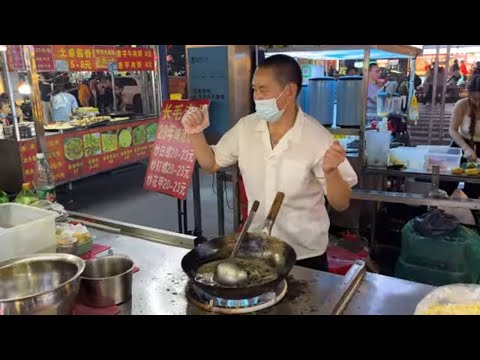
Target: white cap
[(40, 156)]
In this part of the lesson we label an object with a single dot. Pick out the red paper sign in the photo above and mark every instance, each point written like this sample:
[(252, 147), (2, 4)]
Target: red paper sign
[(81, 58), (135, 59), (44, 58), (172, 160), (15, 58), (103, 56)]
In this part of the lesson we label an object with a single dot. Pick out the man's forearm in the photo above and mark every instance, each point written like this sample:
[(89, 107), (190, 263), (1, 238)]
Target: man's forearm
[(204, 154), (338, 191)]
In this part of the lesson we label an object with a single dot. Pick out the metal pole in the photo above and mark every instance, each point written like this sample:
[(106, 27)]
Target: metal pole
[(197, 206), (411, 84), (444, 95), (185, 217), (154, 105), (11, 95), (35, 98), (434, 94), (220, 204), (179, 214), (162, 86), (115, 105), (363, 120)]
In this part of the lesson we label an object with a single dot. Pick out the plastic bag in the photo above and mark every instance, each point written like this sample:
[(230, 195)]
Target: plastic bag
[(435, 222)]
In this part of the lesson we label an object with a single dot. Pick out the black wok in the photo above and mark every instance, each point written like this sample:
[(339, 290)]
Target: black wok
[(275, 252)]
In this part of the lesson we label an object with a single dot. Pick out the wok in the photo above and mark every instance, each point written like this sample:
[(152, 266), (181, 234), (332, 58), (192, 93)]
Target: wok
[(276, 253)]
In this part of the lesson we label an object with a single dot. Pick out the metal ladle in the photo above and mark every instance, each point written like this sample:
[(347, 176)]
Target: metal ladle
[(230, 272)]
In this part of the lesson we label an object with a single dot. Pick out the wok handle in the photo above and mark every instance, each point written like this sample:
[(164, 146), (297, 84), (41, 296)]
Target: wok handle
[(274, 210)]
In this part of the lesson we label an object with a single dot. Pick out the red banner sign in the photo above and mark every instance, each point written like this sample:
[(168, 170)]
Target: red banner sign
[(134, 59), (78, 154), (104, 55), (44, 58), (172, 160), (15, 58), (97, 58)]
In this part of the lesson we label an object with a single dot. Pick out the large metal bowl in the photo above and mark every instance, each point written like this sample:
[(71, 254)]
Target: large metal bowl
[(42, 284)]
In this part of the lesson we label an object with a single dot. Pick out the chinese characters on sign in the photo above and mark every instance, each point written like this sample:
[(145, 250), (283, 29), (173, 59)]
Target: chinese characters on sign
[(98, 58), (79, 154), (15, 58), (130, 59), (172, 160), (104, 55), (44, 58)]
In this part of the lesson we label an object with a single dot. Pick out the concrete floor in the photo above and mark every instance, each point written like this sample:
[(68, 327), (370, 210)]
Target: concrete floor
[(120, 196)]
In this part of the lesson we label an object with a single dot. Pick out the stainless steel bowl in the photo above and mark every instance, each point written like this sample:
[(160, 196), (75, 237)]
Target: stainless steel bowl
[(107, 281), (42, 284)]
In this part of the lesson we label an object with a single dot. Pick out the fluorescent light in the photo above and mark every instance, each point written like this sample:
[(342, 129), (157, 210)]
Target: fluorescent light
[(3, 47)]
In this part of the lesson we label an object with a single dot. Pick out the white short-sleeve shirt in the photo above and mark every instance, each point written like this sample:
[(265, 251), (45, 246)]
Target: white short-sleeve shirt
[(293, 167)]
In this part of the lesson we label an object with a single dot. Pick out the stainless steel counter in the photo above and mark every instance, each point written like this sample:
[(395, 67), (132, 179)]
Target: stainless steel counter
[(159, 286)]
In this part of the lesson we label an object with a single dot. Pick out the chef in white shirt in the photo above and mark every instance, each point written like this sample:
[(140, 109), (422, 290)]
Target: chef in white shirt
[(280, 148)]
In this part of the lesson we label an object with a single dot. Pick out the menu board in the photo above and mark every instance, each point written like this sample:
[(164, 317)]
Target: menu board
[(78, 154), (15, 58), (44, 58)]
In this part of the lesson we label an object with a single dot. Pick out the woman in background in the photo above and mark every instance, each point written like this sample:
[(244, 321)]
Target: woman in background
[(465, 129)]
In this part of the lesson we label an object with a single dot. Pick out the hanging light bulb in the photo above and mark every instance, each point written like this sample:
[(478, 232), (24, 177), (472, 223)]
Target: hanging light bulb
[(24, 88)]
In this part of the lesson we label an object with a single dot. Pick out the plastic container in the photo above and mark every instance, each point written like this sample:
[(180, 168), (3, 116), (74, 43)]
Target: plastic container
[(378, 146), (446, 157), (25, 230), (411, 157), (383, 103)]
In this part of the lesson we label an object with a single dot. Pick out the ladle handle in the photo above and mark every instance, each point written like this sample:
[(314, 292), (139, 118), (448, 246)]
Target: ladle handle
[(247, 224)]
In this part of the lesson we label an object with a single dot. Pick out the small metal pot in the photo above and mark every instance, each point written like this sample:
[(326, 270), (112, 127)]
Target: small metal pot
[(106, 281)]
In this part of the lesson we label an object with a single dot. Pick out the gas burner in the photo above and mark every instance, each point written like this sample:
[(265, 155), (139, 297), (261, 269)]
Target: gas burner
[(215, 304)]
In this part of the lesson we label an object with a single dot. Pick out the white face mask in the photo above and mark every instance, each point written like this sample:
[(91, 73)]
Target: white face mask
[(268, 109)]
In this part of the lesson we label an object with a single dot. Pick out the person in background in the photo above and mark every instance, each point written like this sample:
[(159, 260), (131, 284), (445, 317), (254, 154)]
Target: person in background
[(455, 66), (352, 71), (93, 91), (121, 106), (331, 71), (85, 96), (5, 111), (63, 103), (476, 71), (464, 129), (463, 70), (428, 84), (104, 98), (373, 87), (45, 96)]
